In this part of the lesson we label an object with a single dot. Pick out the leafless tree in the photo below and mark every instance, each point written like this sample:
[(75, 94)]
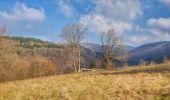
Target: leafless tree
[(165, 59), (73, 34), (7, 56), (111, 45), (2, 31), (2, 41)]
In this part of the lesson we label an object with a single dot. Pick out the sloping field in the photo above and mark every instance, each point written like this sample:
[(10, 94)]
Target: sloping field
[(144, 83)]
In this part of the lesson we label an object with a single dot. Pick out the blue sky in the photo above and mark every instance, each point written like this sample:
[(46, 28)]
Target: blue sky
[(138, 21)]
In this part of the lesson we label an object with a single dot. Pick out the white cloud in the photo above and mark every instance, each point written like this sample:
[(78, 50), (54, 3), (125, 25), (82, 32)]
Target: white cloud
[(163, 23), (159, 29), (116, 14), (119, 9), (22, 12), (166, 2), (149, 35), (159, 34), (99, 23), (65, 8), (138, 39)]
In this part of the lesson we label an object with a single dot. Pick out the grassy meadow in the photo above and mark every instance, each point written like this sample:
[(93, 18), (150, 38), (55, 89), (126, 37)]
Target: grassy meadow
[(131, 83)]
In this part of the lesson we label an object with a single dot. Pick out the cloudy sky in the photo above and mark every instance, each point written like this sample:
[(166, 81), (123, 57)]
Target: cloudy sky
[(138, 21)]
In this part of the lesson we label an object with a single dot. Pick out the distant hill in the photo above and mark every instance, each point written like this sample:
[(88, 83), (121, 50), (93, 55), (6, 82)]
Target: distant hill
[(147, 52), (98, 47), (130, 48), (150, 52), (93, 47)]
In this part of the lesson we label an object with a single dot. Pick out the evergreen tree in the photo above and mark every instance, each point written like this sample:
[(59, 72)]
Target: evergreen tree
[(93, 64)]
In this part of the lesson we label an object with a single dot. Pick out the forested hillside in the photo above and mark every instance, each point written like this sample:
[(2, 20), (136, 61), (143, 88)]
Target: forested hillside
[(23, 58)]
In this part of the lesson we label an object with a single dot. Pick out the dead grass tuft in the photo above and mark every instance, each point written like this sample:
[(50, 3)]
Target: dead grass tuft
[(115, 85)]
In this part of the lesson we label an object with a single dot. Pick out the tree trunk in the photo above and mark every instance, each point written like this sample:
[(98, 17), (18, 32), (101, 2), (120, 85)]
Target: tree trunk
[(74, 65), (79, 55)]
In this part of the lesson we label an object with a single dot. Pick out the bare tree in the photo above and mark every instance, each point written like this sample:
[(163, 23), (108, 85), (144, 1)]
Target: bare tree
[(111, 45), (2, 41), (2, 31), (7, 56), (165, 59), (73, 34)]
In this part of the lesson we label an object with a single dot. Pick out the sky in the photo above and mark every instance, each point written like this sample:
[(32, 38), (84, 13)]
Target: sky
[(137, 21)]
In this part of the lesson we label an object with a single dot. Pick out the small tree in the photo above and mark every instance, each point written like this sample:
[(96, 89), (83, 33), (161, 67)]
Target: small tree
[(93, 64), (2, 31), (142, 63), (152, 63), (165, 60), (125, 65)]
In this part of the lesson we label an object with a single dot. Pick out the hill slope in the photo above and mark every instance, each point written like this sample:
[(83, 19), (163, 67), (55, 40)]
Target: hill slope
[(150, 52), (121, 84), (98, 48)]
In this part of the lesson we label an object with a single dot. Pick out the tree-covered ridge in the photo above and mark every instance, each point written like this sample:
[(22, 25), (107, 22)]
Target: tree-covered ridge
[(28, 42)]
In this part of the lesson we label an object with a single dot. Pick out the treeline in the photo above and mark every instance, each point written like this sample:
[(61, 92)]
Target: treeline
[(28, 42)]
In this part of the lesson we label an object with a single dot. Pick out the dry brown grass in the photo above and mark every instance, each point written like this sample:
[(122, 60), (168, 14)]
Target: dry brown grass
[(121, 84)]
